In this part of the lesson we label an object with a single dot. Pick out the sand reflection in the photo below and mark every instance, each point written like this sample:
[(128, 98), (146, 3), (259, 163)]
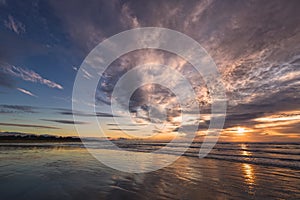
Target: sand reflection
[(248, 171)]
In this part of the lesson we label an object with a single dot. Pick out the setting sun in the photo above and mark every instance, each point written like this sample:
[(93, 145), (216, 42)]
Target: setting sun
[(128, 99), (240, 131)]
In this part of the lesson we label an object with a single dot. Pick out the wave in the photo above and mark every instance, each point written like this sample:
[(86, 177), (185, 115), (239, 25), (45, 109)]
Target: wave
[(285, 155)]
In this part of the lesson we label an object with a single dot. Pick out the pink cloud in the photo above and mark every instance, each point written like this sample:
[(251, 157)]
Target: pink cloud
[(26, 92), (28, 75)]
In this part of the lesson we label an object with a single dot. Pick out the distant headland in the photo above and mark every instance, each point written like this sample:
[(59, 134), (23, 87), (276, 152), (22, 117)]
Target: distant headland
[(16, 137)]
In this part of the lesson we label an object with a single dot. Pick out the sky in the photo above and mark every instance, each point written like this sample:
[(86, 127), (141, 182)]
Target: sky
[(255, 45)]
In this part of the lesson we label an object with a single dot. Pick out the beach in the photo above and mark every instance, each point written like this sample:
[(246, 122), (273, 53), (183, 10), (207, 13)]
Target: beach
[(149, 100), (68, 171)]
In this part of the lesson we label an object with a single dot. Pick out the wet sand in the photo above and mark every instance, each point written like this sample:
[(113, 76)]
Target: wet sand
[(70, 172)]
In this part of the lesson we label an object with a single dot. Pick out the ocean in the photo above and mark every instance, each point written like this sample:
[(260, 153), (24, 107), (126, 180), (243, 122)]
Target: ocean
[(230, 171)]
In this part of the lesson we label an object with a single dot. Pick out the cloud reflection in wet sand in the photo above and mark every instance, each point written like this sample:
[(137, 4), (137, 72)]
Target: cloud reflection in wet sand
[(70, 172)]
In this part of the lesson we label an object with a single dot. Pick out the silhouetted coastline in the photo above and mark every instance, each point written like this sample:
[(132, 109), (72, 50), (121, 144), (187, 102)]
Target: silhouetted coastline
[(8, 137)]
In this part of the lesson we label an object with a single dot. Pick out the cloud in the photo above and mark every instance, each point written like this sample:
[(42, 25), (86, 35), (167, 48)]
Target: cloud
[(114, 124), (128, 19), (28, 126), (123, 129), (26, 92), (256, 47), (14, 25), (26, 75), (280, 120), (64, 121), (100, 20), (83, 114), (245, 41), (17, 109), (87, 75)]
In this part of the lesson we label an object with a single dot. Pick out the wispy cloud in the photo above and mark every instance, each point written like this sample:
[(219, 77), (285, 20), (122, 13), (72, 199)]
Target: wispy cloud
[(26, 92), (28, 125), (14, 25), (17, 109), (62, 121), (27, 75), (123, 129), (87, 75), (83, 114)]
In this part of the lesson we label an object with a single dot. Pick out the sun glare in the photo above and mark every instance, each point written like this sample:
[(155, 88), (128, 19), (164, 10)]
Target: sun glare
[(240, 131)]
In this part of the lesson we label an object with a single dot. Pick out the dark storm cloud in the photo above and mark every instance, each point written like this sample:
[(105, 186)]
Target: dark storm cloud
[(28, 126), (61, 121)]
